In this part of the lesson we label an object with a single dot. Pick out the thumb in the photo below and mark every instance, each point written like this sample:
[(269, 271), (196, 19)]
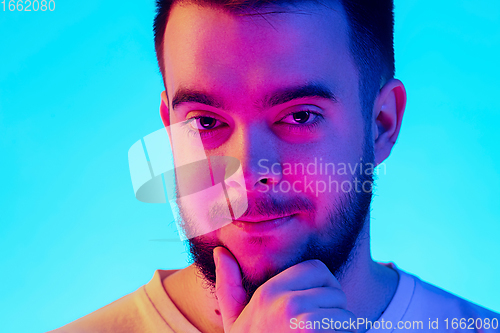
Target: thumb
[(228, 287)]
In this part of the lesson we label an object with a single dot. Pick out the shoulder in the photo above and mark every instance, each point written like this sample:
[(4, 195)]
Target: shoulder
[(134, 312), (431, 303), (120, 315)]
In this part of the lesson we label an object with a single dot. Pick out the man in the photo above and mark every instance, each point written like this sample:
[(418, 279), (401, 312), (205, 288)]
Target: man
[(302, 95)]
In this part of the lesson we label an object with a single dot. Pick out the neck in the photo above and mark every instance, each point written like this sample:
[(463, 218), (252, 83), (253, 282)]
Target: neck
[(369, 288)]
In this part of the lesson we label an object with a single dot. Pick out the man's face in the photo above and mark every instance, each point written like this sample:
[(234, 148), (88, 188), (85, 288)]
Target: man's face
[(283, 91)]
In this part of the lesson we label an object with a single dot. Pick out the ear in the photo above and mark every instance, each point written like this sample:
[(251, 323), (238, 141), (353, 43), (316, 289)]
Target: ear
[(388, 111), (164, 110)]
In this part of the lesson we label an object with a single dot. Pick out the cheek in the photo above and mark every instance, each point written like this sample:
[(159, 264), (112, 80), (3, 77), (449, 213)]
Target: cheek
[(322, 173)]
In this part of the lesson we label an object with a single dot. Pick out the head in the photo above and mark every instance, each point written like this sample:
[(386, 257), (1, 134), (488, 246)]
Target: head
[(302, 94)]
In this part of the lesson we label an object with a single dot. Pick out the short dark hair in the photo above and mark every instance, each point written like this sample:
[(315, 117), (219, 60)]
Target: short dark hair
[(371, 37)]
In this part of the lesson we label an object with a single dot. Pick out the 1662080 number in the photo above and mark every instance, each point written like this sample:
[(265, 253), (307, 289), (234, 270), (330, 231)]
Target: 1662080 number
[(28, 5), (471, 323)]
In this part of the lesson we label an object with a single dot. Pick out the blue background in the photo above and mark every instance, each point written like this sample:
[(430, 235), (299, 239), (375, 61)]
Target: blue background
[(80, 85)]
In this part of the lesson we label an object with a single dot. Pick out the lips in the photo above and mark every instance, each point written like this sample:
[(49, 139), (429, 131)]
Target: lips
[(259, 219), (257, 224)]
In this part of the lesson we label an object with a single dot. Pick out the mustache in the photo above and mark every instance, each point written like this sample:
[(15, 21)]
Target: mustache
[(265, 206)]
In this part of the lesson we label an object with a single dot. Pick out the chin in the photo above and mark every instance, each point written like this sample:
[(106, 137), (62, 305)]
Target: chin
[(263, 257)]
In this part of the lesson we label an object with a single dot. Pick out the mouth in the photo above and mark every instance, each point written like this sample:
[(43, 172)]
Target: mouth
[(260, 225)]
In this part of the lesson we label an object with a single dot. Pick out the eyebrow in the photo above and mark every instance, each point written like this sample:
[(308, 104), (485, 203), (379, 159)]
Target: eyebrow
[(185, 95), (281, 96), (312, 90)]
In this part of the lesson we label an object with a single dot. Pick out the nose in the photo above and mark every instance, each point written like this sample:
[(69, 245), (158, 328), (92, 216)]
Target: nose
[(256, 149)]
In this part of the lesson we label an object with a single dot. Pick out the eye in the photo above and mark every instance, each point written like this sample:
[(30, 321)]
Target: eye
[(300, 117), (205, 123)]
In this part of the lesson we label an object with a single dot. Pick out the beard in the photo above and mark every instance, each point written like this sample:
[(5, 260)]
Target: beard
[(346, 218)]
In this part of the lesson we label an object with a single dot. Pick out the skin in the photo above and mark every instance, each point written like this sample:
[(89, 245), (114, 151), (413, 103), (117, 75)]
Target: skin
[(240, 60)]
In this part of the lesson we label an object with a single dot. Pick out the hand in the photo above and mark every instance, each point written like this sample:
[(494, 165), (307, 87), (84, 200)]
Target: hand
[(307, 291)]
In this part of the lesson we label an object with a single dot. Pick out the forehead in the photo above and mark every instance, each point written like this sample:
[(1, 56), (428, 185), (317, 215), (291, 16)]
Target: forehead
[(207, 48)]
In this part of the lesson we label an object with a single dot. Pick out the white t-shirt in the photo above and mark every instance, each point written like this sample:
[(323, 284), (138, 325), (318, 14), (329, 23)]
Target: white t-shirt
[(423, 307), (415, 307)]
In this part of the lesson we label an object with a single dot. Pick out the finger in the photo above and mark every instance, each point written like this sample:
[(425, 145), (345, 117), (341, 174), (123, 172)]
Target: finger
[(228, 287), (305, 275), (310, 300), (329, 320)]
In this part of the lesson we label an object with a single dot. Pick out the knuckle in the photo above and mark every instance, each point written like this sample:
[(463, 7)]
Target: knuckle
[(291, 305), (305, 317), (318, 264), (341, 297), (263, 295), (320, 268), (351, 315)]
